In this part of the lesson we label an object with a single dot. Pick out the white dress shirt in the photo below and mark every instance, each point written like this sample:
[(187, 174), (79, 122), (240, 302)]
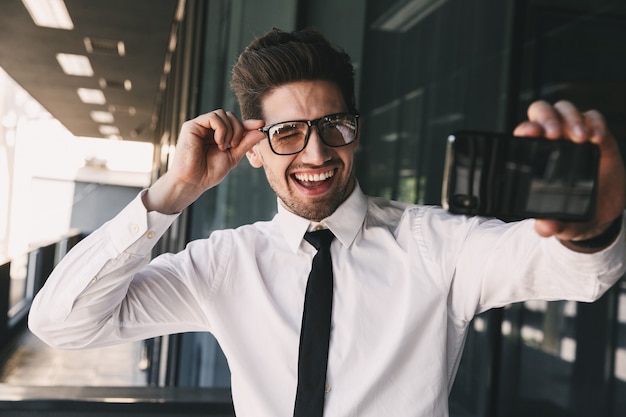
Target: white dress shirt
[(408, 280)]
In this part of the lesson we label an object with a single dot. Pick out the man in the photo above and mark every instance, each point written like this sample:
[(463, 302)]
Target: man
[(407, 279)]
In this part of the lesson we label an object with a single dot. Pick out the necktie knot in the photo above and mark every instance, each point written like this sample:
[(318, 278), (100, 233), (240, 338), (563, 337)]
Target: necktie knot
[(320, 238)]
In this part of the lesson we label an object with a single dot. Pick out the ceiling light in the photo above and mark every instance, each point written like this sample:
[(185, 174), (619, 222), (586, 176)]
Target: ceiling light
[(108, 130), (129, 110), (180, 11), (75, 65), (167, 66), (173, 40), (122, 85), (102, 116), (405, 14), (104, 46), (49, 13), (91, 96)]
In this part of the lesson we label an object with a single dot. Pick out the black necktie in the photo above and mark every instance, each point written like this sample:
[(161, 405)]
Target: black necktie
[(315, 333)]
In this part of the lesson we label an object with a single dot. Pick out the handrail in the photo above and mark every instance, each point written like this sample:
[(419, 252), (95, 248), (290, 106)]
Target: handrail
[(67, 401), (40, 262), (5, 289), (123, 401)]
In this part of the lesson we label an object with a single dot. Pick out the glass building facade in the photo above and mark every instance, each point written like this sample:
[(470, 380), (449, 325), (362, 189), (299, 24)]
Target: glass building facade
[(424, 69)]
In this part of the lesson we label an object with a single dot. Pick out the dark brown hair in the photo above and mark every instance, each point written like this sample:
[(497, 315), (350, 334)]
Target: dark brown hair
[(279, 58)]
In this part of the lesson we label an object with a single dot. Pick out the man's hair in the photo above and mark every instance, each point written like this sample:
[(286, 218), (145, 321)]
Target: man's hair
[(280, 57)]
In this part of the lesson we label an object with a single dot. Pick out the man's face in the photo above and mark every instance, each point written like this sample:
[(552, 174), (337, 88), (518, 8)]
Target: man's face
[(314, 182)]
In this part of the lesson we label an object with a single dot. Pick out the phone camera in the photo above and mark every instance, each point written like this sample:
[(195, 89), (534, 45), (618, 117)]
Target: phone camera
[(465, 202)]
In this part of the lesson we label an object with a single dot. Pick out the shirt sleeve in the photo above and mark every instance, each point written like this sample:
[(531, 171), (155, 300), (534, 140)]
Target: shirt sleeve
[(486, 263), (94, 298)]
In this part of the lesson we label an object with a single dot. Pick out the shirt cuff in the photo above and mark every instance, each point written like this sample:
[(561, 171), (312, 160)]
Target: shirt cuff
[(608, 262), (135, 230)]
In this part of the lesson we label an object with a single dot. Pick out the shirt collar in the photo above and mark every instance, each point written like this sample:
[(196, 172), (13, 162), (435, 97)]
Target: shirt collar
[(345, 222)]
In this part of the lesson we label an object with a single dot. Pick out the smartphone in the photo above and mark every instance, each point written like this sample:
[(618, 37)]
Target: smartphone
[(513, 178)]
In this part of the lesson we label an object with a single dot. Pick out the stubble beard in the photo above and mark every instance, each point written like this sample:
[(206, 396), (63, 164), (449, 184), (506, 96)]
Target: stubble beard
[(321, 208)]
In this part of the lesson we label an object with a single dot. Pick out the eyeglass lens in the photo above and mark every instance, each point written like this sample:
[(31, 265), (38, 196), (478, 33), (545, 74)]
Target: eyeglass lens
[(291, 137)]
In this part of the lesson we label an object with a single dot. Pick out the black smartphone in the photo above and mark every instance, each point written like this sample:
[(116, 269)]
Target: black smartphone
[(512, 178)]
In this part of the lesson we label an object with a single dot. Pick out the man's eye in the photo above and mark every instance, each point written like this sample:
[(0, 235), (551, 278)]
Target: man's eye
[(287, 136)]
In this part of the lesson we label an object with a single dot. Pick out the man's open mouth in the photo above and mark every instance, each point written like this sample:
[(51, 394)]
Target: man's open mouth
[(312, 180)]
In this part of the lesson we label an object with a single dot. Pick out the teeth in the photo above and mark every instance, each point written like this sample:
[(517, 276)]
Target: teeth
[(314, 177)]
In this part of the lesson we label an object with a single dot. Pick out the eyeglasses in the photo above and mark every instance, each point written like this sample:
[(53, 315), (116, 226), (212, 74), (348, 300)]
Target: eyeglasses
[(289, 138)]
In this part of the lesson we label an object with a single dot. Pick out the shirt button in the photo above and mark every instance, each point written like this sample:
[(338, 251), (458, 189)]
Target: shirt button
[(134, 228), (327, 389), (150, 234), (319, 227)]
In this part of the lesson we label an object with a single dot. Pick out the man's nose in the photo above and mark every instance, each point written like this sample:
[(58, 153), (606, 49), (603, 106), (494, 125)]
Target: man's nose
[(316, 152)]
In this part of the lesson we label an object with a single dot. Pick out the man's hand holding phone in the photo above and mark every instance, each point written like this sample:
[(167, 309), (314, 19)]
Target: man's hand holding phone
[(561, 167), (564, 120)]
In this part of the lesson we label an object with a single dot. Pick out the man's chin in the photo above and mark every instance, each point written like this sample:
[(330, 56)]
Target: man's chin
[(316, 207), (310, 209)]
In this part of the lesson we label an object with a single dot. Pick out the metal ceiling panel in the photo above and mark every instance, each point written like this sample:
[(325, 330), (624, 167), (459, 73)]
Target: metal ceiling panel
[(28, 55)]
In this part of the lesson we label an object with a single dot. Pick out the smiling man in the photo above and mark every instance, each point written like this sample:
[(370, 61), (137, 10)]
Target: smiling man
[(313, 178), (406, 280)]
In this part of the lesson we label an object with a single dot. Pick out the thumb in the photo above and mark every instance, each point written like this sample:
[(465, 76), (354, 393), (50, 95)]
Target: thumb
[(253, 124), (251, 137)]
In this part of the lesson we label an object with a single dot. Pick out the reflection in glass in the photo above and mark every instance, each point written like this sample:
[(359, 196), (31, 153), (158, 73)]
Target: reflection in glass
[(494, 175), (18, 286)]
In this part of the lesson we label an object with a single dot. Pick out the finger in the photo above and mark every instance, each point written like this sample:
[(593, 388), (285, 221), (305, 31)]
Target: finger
[(528, 129), (597, 126), (573, 121), (546, 116), (237, 132), (254, 124), (250, 137), (209, 127), (208, 120), (222, 125), (547, 228)]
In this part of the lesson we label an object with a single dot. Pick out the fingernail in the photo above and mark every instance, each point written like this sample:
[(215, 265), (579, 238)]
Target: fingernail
[(598, 133), (580, 131), (552, 129)]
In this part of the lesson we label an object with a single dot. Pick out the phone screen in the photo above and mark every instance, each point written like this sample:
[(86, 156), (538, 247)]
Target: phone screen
[(512, 178)]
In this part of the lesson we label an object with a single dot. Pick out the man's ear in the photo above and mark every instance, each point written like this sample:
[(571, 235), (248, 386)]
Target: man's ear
[(254, 157)]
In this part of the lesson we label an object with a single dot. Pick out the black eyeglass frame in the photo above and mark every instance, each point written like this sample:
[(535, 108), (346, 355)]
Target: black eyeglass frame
[(311, 123)]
